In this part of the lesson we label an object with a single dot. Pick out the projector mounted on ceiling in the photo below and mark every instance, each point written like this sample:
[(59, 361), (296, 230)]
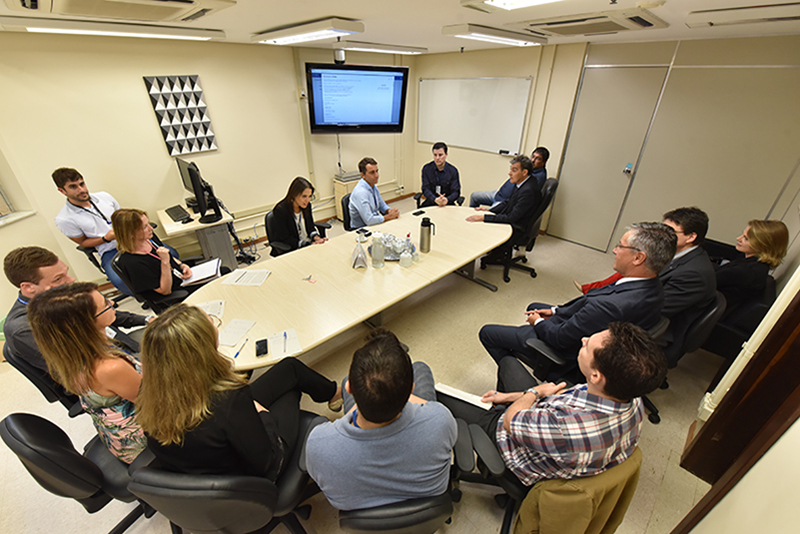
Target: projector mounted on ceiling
[(138, 10), (604, 22)]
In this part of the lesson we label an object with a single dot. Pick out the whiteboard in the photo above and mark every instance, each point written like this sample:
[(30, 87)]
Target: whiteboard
[(479, 113)]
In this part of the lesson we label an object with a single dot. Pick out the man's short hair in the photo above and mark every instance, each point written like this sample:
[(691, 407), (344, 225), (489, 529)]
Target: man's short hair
[(692, 220), (381, 377), (22, 264), (657, 240), (631, 361), (65, 174), (524, 163), (362, 165), (439, 144), (542, 151)]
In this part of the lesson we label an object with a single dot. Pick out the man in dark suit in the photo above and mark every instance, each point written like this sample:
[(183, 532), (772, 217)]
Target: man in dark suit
[(689, 281), (637, 298), (518, 209)]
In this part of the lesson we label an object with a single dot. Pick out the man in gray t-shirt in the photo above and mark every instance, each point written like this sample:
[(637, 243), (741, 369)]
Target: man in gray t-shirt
[(392, 444)]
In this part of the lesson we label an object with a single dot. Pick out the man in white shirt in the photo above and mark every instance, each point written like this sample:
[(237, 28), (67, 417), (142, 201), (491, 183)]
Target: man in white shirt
[(366, 204)]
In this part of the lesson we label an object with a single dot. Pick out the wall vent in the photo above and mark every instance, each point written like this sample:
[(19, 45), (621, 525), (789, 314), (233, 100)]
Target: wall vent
[(592, 23)]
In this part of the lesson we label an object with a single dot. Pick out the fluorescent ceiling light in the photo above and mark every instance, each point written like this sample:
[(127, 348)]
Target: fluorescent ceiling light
[(380, 48), (74, 27), (517, 4), (313, 31), (492, 35)]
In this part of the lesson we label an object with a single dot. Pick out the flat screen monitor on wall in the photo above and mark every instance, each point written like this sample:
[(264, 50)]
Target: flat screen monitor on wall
[(356, 98)]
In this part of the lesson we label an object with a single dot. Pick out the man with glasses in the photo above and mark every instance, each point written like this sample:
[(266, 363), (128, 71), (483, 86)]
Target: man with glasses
[(637, 298), (34, 270)]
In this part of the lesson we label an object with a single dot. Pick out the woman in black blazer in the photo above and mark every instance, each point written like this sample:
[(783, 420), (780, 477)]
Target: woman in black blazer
[(764, 245), (293, 221)]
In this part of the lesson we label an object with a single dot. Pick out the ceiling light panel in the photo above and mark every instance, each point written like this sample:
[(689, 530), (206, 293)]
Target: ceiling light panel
[(313, 31)]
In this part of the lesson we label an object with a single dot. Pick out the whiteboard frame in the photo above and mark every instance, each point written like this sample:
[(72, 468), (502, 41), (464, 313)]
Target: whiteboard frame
[(525, 120)]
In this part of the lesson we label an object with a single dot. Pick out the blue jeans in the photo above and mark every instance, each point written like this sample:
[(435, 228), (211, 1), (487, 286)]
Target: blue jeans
[(116, 281), (423, 386), (482, 198)]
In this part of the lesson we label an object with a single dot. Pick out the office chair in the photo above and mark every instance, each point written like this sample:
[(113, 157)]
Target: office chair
[(157, 304), (93, 479), (527, 238), (231, 504), (419, 196), (415, 516), (346, 212), (276, 247), (52, 390), (92, 255)]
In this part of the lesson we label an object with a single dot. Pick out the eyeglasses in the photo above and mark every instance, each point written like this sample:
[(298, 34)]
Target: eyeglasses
[(620, 245), (109, 305), (216, 321)]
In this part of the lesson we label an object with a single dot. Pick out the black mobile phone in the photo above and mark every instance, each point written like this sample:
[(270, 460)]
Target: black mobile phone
[(361, 231), (262, 347), (418, 212), (367, 233)]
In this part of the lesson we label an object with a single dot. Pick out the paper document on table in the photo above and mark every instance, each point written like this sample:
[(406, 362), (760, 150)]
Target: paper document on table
[(213, 307), (233, 333), (241, 277), (285, 343), (204, 272), (463, 395)]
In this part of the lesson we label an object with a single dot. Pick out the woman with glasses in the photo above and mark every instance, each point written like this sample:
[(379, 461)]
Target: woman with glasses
[(293, 222), (201, 417), (69, 326)]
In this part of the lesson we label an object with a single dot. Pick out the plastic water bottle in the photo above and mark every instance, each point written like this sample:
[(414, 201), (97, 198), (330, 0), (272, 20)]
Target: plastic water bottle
[(377, 250), (405, 257)]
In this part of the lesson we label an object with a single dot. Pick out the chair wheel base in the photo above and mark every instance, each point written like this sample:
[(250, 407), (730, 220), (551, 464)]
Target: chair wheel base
[(524, 259), (533, 274), (654, 418), (664, 385), (455, 494), (501, 499), (506, 279), (303, 512)]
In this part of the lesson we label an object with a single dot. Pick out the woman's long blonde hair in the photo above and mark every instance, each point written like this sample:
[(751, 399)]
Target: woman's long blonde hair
[(127, 223), (63, 323), (181, 372)]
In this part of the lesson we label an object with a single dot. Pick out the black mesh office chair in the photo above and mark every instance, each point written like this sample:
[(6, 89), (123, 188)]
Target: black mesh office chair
[(276, 247), (231, 504), (93, 479), (156, 303), (527, 238), (52, 390), (346, 212)]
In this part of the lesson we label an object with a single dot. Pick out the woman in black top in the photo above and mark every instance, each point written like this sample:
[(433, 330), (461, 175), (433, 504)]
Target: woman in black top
[(201, 417), (764, 245), (293, 221)]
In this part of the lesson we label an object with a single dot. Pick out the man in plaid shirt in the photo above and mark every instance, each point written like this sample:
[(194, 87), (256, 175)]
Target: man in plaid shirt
[(547, 431)]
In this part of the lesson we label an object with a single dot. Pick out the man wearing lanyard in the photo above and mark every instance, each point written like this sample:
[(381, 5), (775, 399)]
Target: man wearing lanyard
[(366, 204), (86, 219), (440, 182)]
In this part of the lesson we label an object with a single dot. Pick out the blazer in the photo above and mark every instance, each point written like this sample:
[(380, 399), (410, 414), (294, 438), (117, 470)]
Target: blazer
[(689, 288), (638, 302), (741, 280), (285, 228), (518, 209)]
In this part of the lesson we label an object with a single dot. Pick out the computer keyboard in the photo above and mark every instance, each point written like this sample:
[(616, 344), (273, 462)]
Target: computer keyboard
[(177, 213)]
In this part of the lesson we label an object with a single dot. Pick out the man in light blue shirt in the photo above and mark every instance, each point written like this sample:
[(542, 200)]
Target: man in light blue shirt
[(366, 204)]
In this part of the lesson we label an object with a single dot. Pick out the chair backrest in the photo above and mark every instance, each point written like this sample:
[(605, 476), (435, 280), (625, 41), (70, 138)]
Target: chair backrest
[(269, 222), (591, 504), (52, 390), (207, 503), (414, 516), (660, 328), (346, 212), (699, 331), (49, 456), (91, 255), (548, 192), (124, 276)]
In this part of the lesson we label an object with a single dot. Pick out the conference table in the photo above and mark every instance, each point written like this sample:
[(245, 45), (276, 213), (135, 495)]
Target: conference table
[(316, 291)]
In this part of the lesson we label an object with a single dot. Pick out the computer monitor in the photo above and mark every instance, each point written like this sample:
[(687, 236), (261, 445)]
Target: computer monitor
[(203, 192)]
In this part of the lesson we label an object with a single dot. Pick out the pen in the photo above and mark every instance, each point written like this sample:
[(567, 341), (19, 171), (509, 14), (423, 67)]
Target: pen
[(240, 348), (284, 341), (240, 277)]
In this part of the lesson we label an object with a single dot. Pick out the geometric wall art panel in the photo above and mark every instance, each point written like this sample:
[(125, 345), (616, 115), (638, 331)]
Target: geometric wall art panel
[(182, 114)]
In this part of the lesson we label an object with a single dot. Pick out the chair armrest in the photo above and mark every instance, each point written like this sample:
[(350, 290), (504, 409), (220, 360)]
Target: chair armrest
[(301, 442), (322, 228), (487, 451), (75, 410), (462, 451), (191, 261), (283, 248), (545, 350), (173, 298), (460, 201), (144, 459), (417, 196)]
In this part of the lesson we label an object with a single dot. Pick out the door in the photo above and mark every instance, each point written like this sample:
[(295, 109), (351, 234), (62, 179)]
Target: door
[(612, 115)]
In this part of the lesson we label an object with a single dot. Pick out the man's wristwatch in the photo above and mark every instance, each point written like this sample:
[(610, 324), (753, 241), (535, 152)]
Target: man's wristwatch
[(536, 393), (104, 239)]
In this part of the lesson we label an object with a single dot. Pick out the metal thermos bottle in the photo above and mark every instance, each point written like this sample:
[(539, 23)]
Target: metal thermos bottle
[(426, 227)]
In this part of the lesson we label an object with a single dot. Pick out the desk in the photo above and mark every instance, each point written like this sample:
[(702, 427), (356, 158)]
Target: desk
[(214, 239), (341, 297)]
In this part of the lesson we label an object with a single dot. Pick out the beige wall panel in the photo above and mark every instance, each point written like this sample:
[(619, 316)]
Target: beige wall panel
[(659, 52), (724, 140), (779, 50)]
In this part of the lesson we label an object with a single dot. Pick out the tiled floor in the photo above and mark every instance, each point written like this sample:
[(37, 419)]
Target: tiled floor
[(440, 325)]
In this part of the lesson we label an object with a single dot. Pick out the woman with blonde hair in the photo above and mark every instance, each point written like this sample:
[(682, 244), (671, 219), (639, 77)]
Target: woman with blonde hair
[(68, 324), (764, 245), (201, 417)]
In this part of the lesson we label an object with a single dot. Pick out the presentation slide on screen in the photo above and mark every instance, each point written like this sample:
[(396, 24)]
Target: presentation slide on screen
[(357, 98)]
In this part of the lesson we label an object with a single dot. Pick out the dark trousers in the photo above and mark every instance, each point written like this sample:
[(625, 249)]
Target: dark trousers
[(511, 377), (503, 340), (279, 391)]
